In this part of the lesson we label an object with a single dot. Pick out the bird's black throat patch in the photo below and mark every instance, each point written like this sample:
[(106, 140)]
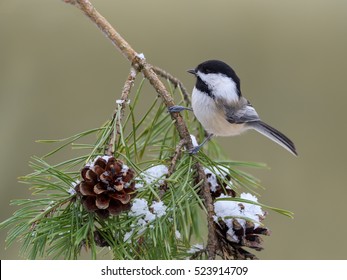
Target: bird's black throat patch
[(203, 87)]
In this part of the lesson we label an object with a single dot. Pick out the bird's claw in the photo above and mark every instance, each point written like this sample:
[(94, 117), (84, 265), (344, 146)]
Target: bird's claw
[(194, 151), (177, 109)]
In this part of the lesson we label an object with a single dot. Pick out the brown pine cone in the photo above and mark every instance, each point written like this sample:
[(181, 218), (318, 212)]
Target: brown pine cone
[(107, 186)]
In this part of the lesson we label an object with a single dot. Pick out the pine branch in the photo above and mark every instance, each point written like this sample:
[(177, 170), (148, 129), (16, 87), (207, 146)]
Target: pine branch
[(141, 65)]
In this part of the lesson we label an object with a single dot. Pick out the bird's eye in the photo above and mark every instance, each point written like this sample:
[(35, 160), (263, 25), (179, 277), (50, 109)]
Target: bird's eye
[(207, 71)]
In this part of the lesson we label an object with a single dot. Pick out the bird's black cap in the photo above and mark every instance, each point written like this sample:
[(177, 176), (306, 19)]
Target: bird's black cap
[(217, 67)]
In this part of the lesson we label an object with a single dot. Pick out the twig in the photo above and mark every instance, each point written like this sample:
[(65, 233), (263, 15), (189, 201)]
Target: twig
[(127, 87), (122, 103), (176, 156), (178, 151), (176, 82), (50, 209), (140, 65)]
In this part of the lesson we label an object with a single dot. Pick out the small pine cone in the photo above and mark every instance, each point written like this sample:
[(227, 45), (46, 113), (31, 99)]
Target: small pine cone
[(99, 240), (107, 187), (247, 235)]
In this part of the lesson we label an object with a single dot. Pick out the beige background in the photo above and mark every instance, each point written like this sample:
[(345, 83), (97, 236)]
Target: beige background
[(59, 76)]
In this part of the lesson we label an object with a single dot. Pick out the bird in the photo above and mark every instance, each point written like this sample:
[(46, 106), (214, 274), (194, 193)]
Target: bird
[(220, 107)]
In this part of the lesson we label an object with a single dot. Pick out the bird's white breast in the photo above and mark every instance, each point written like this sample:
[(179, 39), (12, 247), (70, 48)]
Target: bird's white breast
[(211, 117)]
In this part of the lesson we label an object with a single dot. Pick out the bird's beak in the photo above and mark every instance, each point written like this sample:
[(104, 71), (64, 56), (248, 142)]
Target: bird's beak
[(192, 71)]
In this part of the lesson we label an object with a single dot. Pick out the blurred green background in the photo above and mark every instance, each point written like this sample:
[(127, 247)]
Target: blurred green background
[(59, 76)]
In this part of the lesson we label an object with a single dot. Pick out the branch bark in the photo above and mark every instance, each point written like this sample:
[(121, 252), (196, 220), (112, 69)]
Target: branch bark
[(140, 64)]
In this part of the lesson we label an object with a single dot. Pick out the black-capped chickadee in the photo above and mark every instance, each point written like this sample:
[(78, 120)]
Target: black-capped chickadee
[(222, 110)]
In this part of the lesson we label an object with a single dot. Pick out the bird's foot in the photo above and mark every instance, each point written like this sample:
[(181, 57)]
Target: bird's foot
[(195, 150), (178, 109)]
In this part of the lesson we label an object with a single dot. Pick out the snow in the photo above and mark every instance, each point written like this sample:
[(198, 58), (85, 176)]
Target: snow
[(71, 191), (139, 185), (194, 141), (141, 210), (140, 56), (232, 235), (159, 209), (195, 248), (127, 236), (251, 210), (221, 171), (133, 72), (178, 234), (228, 208), (125, 168), (152, 175)]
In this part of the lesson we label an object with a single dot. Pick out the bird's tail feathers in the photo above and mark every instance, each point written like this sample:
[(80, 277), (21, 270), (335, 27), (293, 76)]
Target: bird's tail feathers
[(274, 135)]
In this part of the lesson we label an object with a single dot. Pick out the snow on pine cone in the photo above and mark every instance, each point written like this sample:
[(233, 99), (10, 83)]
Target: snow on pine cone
[(107, 186), (238, 224)]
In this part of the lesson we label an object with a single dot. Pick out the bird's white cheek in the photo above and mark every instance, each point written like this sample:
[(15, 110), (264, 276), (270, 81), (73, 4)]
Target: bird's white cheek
[(222, 87)]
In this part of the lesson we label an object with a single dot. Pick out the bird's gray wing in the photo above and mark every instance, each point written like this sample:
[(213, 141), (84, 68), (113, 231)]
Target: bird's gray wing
[(242, 113)]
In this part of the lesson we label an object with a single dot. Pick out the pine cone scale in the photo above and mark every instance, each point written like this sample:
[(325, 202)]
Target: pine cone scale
[(102, 201), (86, 188)]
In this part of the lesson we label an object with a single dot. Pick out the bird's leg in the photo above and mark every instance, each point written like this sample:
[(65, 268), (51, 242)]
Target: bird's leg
[(178, 109), (196, 149)]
